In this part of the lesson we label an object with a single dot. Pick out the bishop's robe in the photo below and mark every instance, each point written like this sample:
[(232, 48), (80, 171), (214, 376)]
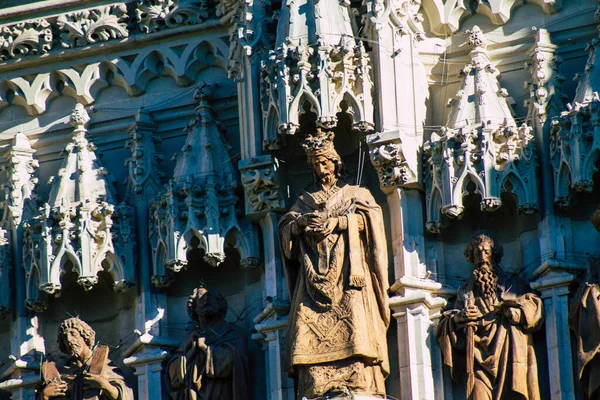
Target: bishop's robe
[(339, 314)]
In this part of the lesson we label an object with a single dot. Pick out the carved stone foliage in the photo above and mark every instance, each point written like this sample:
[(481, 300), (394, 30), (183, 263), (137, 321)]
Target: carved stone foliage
[(481, 144), (156, 15), (101, 24), (386, 153), (575, 134), (260, 185), (25, 38), (315, 71), (86, 27), (445, 16), (81, 228), (200, 200)]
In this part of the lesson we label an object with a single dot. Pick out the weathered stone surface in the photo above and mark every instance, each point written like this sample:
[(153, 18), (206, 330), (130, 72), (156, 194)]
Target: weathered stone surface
[(492, 317), (481, 143), (211, 361), (86, 373), (339, 309)]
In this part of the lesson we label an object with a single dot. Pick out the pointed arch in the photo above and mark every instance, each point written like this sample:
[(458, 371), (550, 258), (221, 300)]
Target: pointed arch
[(354, 109), (563, 182), (519, 188)]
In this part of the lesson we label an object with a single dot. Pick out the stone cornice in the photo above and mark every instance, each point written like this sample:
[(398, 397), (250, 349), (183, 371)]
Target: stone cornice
[(32, 31)]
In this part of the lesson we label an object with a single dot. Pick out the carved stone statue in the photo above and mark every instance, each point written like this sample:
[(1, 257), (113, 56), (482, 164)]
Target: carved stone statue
[(488, 334), (87, 373), (584, 320), (335, 257), (211, 361)]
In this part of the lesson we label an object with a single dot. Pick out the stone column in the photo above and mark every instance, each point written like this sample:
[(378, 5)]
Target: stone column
[(20, 378), (146, 356), (271, 326), (271, 322), (263, 205), (414, 302), (552, 280)]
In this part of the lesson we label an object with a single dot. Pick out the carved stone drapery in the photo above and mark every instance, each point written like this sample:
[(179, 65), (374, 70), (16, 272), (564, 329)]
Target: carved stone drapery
[(200, 200), (260, 186), (575, 135), (86, 27), (482, 144), (81, 225), (317, 63)]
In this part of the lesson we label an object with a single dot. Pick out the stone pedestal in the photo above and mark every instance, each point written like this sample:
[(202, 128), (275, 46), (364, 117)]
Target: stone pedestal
[(146, 356), (552, 280), (271, 326), (415, 312), (20, 378)]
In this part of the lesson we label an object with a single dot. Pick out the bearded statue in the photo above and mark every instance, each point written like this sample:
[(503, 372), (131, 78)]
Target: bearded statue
[(87, 372), (211, 361), (488, 333)]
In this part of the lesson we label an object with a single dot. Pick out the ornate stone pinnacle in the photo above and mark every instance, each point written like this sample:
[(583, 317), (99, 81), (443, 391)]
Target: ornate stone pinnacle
[(79, 116), (476, 39)]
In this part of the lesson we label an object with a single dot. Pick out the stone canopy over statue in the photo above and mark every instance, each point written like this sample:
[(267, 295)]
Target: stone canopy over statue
[(211, 361), (335, 257), (87, 373), (488, 334)]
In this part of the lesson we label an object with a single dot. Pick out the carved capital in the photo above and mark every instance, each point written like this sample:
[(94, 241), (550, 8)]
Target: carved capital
[(259, 179), (387, 155)]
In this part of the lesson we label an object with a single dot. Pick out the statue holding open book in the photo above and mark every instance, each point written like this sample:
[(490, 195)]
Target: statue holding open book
[(86, 372)]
